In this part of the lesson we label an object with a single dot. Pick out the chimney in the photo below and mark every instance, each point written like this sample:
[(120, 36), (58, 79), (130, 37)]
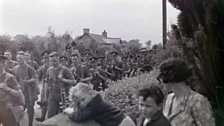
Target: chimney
[(86, 31), (104, 33)]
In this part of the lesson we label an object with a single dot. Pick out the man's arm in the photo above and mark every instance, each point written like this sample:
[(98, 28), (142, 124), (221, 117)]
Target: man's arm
[(13, 89), (82, 114)]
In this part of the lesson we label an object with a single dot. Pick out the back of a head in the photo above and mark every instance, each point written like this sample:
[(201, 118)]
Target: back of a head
[(80, 87), (174, 70)]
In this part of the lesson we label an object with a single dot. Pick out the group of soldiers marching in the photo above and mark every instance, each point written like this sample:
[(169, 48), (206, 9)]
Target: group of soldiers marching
[(56, 75)]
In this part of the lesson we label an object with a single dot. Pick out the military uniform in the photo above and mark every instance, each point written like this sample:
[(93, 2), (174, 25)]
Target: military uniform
[(30, 91), (56, 87), (11, 98), (10, 64), (42, 77)]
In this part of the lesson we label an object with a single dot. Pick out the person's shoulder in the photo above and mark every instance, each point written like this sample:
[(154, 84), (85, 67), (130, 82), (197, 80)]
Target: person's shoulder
[(16, 66), (9, 75), (197, 97), (66, 69), (14, 62), (170, 96), (30, 67)]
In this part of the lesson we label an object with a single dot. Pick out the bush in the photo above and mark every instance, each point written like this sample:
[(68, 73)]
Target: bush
[(123, 93)]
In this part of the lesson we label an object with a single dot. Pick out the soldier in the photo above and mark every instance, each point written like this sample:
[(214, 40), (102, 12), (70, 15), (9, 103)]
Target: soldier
[(31, 62), (11, 97), (117, 66), (99, 79), (64, 61), (26, 76), (42, 78), (82, 72), (9, 62), (59, 80)]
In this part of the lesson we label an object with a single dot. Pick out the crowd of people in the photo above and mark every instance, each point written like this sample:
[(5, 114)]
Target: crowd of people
[(78, 79)]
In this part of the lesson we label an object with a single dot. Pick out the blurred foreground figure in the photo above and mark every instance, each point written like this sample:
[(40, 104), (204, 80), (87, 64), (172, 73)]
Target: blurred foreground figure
[(89, 105), (183, 107), (11, 98)]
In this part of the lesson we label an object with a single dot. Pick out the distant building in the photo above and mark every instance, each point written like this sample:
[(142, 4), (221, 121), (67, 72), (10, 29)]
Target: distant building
[(92, 41)]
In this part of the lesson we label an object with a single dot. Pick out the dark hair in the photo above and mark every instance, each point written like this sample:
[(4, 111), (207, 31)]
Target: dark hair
[(174, 70), (154, 92)]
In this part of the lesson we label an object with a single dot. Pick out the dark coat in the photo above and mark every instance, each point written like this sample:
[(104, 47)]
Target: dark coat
[(100, 111), (158, 120)]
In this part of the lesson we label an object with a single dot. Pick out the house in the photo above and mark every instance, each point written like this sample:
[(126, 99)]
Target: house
[(96, 41)]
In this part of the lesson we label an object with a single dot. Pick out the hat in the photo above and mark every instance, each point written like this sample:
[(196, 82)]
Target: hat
[(63, 58), (114, 52), (45, 53), (75, 53), (53, 54), (73, 44), (124, 57), (21, 53), (87, 52), (101, 57)]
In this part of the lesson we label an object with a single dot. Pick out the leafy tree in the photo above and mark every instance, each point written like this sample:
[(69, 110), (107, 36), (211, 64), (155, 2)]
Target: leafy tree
[(148, 44), (209, 52), (134, 45)]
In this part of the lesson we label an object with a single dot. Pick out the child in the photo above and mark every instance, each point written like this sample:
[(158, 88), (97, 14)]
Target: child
[(150, 106)]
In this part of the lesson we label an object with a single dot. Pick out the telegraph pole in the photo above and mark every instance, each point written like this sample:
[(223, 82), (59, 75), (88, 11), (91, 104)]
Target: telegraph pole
[(164, 13)]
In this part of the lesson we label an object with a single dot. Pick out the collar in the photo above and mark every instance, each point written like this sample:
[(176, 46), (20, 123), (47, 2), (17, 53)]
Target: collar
[(156, 116)]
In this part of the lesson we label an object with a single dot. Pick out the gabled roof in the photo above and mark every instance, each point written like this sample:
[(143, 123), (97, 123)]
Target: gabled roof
[(102, 39), (98, 38)]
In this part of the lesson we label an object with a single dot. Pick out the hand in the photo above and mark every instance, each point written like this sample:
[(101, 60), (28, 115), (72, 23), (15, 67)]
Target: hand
[(23, 82), (69, 110), (60, 76), (4, 87)]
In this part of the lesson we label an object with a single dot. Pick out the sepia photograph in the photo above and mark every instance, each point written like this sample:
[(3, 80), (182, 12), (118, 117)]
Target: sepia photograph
[(112, 63)]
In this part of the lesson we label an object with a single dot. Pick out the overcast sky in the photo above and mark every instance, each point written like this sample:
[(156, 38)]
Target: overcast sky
[(125, 19)]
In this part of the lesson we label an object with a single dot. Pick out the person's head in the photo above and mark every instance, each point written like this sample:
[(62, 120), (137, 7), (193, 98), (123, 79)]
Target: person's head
[(114, 54), (20, 57), (173, 72), (8, 54), (45, 56), (150, 100), (81, 94), (64, 60), (2, 62), (75, 58), (27, 56), (54, 59), (84, 61)]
